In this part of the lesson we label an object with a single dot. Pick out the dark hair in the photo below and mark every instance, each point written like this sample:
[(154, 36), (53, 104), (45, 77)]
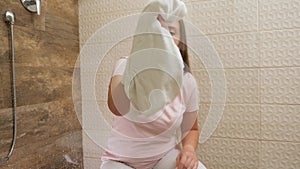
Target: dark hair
[(183, 47)]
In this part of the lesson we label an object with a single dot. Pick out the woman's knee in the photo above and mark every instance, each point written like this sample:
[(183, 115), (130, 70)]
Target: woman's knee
[(114, 164)]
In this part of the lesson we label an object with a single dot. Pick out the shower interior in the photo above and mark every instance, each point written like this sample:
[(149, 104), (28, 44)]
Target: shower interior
[(9, 18)]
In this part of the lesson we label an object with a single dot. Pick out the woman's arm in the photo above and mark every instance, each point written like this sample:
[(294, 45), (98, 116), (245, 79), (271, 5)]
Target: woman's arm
[(187, 158), (117, 101), (189, 129)]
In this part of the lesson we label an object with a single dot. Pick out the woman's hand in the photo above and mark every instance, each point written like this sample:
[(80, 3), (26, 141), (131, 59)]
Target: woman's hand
[(187, 158)]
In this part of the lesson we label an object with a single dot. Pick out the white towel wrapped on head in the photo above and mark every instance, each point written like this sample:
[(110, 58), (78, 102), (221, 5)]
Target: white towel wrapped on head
[(154, 70)]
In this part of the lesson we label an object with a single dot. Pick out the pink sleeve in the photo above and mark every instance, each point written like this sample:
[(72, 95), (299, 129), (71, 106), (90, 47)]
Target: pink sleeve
[(191, 96), (119, 67)]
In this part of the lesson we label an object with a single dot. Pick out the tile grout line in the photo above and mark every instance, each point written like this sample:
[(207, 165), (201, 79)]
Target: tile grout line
[(248, 68), (255, 139), (259, 84)]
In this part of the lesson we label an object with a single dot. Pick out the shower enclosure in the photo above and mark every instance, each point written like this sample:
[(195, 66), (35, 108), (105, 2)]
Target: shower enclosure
[(9, 17)]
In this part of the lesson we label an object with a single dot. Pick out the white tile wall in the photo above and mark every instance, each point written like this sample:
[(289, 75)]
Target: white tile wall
[(280, 85), (91, 163), (277, 155), (91, 149), (240, 121), (242, 85), (280, 122), (219, 153), (258, 42), (91, 7), (196, 63), (204, 85), (279, 14), (105, 27), (224, 16), (238, 50), (202, 115), (280, 48)]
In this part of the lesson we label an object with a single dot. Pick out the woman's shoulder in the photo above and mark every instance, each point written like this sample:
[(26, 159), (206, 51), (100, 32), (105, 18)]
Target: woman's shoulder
[(189, 80), (188, 76)]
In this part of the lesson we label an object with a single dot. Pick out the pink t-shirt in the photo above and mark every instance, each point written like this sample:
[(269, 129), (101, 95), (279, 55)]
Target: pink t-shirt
[(144, 141)]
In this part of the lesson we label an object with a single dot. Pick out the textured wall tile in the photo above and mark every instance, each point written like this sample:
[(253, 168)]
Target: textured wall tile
[(101, 86), (195, 56), (237, 50), (214, 17), (280, 48), (209, 118), (242, 86), (219, 153), (105, 6), (95, 76), (279, 155), (95, 140), (202, 115), (90, 148), (105, 71), (90, 24), (106, 113), (91, 163), (279, 14), (195, 61), (239, 121), (109, 59), (280, 122), (116, 51), (280, 85), (188, 1), (92, 144), (203, 54), (204, 85), (95, 118), (94, 56)]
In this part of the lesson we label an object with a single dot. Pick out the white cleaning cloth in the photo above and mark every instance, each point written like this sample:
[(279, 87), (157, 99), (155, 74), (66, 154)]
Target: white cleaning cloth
[(154, 70)]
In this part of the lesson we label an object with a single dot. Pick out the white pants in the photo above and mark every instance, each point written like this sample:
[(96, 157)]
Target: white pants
[(167, 162)]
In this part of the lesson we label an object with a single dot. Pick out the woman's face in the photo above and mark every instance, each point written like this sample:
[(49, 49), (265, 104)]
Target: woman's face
[(174, 29)]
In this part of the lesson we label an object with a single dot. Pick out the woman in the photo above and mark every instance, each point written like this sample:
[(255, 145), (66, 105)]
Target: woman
[(179, 114)]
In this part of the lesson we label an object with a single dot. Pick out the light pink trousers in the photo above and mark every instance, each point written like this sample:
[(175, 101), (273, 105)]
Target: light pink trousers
[(167, 162)]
